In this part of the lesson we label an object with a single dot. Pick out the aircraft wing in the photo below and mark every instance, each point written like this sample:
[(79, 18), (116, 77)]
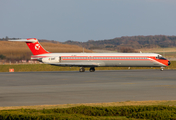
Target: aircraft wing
[(81, 64)]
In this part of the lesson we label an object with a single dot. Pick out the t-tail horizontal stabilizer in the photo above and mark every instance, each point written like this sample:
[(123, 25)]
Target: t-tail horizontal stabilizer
[(33, 45)]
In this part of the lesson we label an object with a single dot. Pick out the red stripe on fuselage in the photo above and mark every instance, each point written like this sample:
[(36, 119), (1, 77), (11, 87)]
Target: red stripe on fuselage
[(105, 57), (164, 62)]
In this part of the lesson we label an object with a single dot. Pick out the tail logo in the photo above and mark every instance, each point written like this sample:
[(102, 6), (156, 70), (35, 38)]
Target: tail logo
[(37, 46)]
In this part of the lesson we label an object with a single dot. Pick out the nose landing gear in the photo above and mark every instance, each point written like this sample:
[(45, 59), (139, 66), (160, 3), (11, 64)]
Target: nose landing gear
[(162, 68)]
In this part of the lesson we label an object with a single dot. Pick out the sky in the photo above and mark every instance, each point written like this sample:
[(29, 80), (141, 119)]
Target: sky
[(83, 20)]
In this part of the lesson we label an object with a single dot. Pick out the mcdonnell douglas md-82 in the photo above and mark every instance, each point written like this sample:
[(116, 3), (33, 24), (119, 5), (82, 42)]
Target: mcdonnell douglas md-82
[(93, 60)]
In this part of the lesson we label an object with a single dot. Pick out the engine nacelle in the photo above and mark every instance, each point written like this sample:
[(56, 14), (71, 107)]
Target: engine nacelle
[(51, 59)]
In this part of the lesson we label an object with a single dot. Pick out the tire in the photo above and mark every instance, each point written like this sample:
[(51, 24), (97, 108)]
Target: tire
[(92, 69), (81, 70)]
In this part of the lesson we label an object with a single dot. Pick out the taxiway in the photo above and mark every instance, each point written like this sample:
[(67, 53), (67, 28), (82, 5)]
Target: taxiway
[(46, 88)]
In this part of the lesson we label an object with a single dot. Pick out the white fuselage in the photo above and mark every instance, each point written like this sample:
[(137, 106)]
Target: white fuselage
[(104, 59)]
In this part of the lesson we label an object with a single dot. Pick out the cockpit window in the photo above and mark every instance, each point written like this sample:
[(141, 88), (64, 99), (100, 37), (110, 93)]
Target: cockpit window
[(161, 58)]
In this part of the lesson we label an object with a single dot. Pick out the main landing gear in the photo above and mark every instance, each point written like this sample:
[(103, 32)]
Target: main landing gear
[(81, 69), (92, 69)]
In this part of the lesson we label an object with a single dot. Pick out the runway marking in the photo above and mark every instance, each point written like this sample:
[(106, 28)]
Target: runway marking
[(166, 86), (63, 79), (129, 83), (90, 81)]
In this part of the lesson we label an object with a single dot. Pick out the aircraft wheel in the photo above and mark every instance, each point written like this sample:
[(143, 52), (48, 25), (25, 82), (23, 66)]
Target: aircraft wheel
[(92, 69), (81, 69), (162, 68)]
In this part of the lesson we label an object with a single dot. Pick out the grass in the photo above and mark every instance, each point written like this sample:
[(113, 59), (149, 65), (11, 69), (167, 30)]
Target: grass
[(45, 67), (157, 49), (166, 52), (52, 114), (93, 112), (19, 50), (124, 103)]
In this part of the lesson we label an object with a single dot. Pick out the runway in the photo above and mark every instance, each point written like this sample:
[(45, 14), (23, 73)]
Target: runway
[(46, 88)]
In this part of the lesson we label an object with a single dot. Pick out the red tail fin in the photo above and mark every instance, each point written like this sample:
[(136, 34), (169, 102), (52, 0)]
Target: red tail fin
[(34, 46)]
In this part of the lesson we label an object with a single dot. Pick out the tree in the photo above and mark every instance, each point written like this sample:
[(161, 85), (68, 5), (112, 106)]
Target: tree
[(127, 50), (2, 57)]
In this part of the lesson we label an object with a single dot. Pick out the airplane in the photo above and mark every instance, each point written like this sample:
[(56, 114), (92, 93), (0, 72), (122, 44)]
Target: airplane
[(93, 60)]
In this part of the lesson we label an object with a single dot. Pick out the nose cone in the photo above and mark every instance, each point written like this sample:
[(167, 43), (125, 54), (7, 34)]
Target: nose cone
[(169, 62)]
